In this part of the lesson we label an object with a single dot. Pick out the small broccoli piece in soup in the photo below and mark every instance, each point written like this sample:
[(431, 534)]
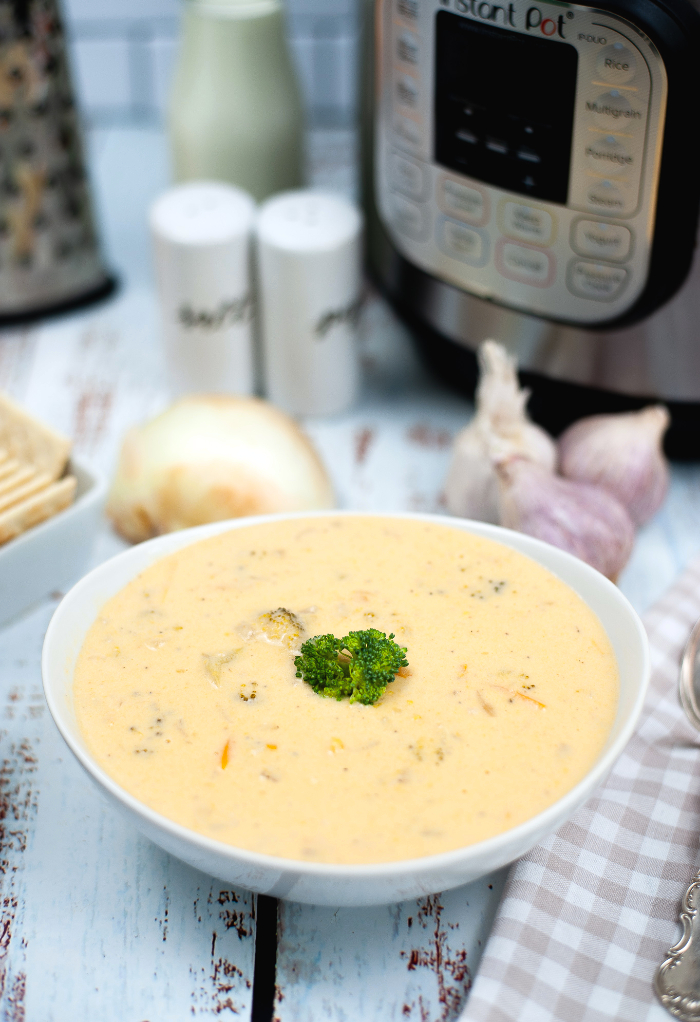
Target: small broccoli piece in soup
[(360, 665)]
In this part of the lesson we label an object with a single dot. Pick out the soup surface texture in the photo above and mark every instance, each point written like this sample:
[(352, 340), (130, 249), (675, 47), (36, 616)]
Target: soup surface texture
[(186, 693)]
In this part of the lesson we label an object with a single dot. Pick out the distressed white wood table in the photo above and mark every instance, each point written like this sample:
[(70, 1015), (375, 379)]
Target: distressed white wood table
[(95, 922)]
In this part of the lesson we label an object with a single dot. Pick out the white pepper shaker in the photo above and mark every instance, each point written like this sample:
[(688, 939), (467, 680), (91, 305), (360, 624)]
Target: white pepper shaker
[(202, 234), (309, 278)]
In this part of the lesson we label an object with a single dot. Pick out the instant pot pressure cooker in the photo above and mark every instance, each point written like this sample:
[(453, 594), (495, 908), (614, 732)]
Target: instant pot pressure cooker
[(532, 175)]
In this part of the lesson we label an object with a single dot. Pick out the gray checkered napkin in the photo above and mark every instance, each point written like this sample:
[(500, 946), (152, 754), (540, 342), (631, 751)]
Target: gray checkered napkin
[(590, 913)]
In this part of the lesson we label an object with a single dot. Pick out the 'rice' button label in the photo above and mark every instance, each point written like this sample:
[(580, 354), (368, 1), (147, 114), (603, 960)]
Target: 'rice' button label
[(616, 64)]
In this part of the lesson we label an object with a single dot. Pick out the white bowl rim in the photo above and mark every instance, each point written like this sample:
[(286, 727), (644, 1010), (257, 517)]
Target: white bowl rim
[(394, 869)]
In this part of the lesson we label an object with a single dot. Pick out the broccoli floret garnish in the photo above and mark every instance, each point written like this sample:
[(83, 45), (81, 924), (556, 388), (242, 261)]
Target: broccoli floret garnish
[(360, 665)]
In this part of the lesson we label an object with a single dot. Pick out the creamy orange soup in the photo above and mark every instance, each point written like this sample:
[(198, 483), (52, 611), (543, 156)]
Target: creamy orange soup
[(186, 693)]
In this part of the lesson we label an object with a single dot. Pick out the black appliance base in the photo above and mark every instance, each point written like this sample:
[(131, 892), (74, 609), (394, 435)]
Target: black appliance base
[(554, 404)]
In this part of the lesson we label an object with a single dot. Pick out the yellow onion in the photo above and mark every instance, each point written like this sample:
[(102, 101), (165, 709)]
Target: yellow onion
[(212, 457)]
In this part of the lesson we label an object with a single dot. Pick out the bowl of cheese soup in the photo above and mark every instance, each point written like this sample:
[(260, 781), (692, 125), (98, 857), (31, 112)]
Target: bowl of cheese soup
[(173, 674)]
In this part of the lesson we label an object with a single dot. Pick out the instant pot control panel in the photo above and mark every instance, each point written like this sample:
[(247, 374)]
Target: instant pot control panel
[(518, 148)]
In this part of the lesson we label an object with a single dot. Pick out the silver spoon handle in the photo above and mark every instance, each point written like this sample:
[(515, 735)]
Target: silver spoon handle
[(686, 678), (677, 981)]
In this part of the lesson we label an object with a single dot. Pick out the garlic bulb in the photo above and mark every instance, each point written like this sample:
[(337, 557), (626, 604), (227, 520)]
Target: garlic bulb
[(584, 519), (623, 454), (500, 429), (211, 457)]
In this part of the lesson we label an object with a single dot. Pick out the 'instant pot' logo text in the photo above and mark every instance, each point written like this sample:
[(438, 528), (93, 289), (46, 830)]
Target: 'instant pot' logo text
[(502, 14), (487, 11), (547, 26)]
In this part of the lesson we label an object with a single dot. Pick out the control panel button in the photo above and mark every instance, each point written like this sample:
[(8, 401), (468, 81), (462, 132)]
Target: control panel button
[(407, 176), (523, 264), (463, 201), (527, 223), (463, 243), (407, 9), (406, 132), (407, 48), (407, 92), (596, 280), (601, 240), (606, 197), (408, 218), (616, 64), (614, 110), (607, 155)]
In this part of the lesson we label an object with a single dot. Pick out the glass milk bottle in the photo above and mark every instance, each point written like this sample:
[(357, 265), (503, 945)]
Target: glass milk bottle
[(235, 110)]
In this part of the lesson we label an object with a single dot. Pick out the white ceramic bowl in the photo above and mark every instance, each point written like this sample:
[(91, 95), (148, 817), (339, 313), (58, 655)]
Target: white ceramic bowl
[(334, 885)]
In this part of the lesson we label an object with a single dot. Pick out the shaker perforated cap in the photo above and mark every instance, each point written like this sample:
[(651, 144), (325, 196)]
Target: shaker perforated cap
[(308, 221), (202, 213), (235, 8)]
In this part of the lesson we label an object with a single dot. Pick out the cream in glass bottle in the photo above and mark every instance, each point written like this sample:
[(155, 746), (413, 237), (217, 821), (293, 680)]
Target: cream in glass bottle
[(235, 109)]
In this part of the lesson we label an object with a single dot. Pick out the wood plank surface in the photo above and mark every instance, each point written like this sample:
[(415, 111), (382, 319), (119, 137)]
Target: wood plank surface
[(411, 962)]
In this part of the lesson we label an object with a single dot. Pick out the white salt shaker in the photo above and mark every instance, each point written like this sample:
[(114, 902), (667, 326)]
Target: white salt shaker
[(309, 278), (202, 234)]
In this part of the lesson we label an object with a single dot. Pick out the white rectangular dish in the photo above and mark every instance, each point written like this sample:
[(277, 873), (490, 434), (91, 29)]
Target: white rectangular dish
[(54, 553)]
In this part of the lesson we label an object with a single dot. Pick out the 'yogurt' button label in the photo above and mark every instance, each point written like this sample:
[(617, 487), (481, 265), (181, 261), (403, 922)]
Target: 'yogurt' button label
[(597, 281), (601, 240)]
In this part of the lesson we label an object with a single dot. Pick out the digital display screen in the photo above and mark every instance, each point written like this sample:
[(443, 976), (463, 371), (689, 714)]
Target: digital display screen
[(504, 106)]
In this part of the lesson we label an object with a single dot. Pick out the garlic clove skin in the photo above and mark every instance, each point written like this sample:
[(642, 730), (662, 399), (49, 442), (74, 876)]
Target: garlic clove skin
[(471, 486), (212, 457), (623, 454), (582, 518), (500, 429)]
